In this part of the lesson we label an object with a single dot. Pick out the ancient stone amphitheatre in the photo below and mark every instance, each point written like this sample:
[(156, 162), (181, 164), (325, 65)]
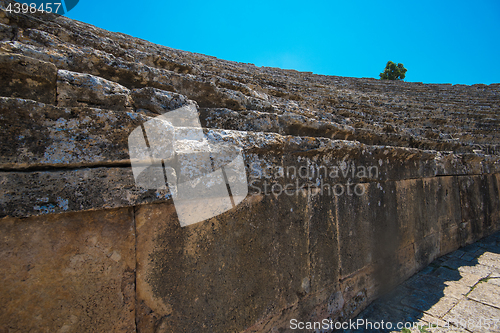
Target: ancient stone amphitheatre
[(84, 249)]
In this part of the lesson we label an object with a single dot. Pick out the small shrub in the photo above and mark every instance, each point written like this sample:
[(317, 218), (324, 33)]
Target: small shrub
[(393, 71)]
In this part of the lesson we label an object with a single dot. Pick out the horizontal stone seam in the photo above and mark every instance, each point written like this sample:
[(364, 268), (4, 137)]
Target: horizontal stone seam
[(129, 165), (315, 187), (436, 176), (66, 168)]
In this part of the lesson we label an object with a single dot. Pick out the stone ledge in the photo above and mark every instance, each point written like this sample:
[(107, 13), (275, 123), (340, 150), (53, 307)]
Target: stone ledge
[(84, 90), (35, 135), (52, 192), (83, 153), (26, 77)]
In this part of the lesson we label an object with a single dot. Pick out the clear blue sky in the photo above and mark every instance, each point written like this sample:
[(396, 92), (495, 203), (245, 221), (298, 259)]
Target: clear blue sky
[(437, 41)]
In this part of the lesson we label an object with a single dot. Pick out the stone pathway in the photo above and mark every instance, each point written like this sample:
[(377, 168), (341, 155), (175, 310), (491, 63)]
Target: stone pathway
[(459, 292)]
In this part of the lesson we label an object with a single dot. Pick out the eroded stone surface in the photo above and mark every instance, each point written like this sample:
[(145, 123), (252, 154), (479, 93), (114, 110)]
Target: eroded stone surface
[(240, 263), (260, 270), (41, 135), (156, 100), (36, 135), (26, 77), (458, 118), (77, 89), (308, 254), (42, 192), (68, 273)]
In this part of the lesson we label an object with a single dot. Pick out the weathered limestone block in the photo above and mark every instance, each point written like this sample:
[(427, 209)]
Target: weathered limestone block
[(6, 32), (418, 221), (68, 273), (206, 93), (323, 298), (246, 264), (330, 161), (323, 242), (479, 204), (286, 124), (426, 250), (368, 230), (51, 192), (78, 89), (472, 207), (3, 17), (410, 210), (355, 233), (294, 124), (137, 75), (34, 135), (357, 291), (247, 102), (55, 57), (85, 59), (326, 304), (252, 121), (498, 198), (28, 78), (443, 213), (156, 100), (491, 198)]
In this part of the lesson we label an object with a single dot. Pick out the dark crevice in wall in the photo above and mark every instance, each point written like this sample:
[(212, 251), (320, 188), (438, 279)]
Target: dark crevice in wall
[(134, 222), (50, 168)]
